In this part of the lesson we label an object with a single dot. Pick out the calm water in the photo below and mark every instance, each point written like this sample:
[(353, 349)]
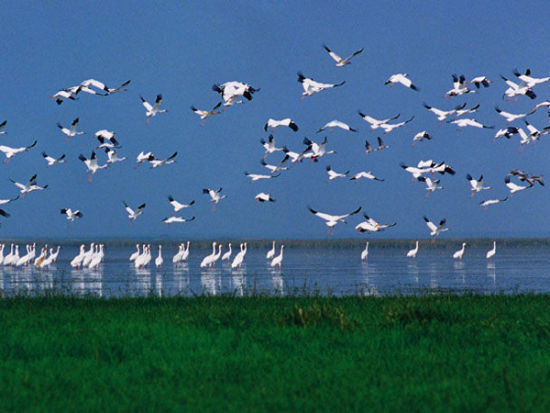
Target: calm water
[(325, 271)]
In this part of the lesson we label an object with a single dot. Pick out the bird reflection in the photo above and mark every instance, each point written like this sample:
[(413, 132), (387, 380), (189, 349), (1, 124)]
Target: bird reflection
[(211, 281), (277, 282), (237, 281), (158, 284)]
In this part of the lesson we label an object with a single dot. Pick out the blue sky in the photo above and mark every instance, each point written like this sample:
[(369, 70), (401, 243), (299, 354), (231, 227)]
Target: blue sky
[(180, 49)]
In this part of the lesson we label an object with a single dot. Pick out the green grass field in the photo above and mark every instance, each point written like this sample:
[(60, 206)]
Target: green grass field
[(436, 352)]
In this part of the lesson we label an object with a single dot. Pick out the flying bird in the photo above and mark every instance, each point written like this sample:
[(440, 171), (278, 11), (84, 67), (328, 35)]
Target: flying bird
[(370, 225), (29, 187), (152, 110), (479, 81), (339, 61), (173, 219), (53, 161), (420, 136), (72, 131), (489, 202), (133, 214), (435, 230), (366, 175), (92, 164), (205, 114), (272, 123), (311, 86), (263, 197), (70, 214), (178, 206), (155, 163), (112, 156), (476, 184), (513, 187), (401, 78), (431, 185), (369, 148), (332, 220), (336, 124), (376, 123), (10, 152), (388, 127), (462, 123), (215, 196), (230, 92), (510, 117), (332, 174), (2, 126)]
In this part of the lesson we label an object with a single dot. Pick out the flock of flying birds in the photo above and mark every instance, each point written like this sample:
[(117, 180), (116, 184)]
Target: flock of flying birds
[(236, 92)]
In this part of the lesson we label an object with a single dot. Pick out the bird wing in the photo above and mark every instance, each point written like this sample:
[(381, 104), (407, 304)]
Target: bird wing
[(146, 104)]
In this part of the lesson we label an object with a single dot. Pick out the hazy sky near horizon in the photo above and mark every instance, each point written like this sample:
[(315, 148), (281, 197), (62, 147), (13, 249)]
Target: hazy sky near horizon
[(180, 49)]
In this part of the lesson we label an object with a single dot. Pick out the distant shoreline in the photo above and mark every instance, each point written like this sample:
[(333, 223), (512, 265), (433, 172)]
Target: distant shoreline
[(337, 243)]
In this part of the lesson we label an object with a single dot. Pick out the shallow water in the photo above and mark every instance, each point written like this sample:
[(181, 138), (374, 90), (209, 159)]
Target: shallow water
[(304, 271)]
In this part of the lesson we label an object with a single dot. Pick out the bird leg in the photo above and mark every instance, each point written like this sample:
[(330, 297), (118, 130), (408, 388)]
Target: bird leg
[(90, 178)]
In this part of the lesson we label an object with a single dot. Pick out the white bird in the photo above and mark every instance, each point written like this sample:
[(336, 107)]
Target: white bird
[(208, 259), (205, 114), (460, 111), (510, 117), (135, 254), (177, 256), (431, 185), (257, 177), (534, 133), (339, 61), (178, 206), (332, 220), (92, 164), (227, 255), (144, 258), (435, 230), (185, 252), (420, 136), (30, 186), (239, 258), (142, 157), (263, 197), (230, 92), (132, 215), (491, 253), (506, 132), (458, 254), (515, 90), (376, 123), (69, 93), (480, 80), (71, 215), (487, 203), (173, 219), (272, 123), (366, 175), (513, 187), (365, 252), (53, 161), (415, 172), (112, 156), (105, 142), (370, 225), (97, 257), (89, 254), (388, 127), (152, 110), (443, 114), (212, 258), (275, 168), (369, 148), (77, 260), (159, 260), (332, 174), (269, 145), (543, 104), (271, 253), (316, 150), (278, 260), (2, 126), (476, 184), (72, 131), (412, 253), (311, 86), (336, 124), (155, 163), (401, 78), (215, 196), (10, 152), (529, 80), (462, 123), (459, 87)]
